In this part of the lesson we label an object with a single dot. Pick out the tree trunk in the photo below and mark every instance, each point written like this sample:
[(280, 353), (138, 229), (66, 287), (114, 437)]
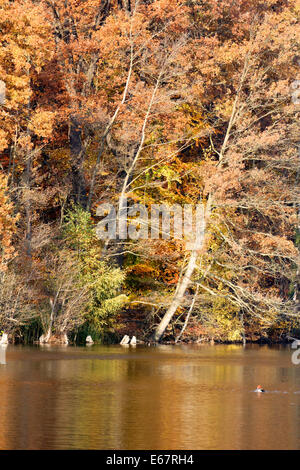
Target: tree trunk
[(185, 280), (122, 220), (188, 315), (3, 348), (47, 336), (79, 193), (28, 235), (4, 339)]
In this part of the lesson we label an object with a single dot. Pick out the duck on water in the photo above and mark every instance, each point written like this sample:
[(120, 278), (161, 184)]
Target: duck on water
[(259, 389)]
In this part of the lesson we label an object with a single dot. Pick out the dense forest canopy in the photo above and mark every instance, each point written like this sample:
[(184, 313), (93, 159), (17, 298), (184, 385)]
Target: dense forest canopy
[(155, 101)]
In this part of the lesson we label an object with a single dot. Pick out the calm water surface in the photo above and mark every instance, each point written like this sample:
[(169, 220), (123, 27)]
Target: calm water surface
[(168, 397)]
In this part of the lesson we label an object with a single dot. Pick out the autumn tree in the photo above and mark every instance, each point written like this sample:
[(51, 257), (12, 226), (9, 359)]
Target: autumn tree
[(25, 125), (250, 179), (15, 295)]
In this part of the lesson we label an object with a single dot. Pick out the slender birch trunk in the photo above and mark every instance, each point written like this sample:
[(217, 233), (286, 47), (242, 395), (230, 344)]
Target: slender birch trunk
[(186, 278)]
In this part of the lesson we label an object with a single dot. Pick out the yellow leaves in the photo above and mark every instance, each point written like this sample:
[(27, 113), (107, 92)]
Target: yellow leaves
[(197, 124), (296, 7), (41, 123), (3, 140), (61, 158), (133, 196), (223, 319), (224, 109), (24, 142), (25, 47), (208, 153), (142, 270), (18, 82)]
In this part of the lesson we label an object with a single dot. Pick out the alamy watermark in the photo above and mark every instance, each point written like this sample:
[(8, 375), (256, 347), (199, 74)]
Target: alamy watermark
[(158, 221)]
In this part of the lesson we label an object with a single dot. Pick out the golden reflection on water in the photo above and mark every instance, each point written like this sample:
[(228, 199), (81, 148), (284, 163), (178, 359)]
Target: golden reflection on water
[(182, 397)]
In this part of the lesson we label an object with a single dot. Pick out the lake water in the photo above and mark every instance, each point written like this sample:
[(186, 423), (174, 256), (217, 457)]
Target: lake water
[(165, 397)]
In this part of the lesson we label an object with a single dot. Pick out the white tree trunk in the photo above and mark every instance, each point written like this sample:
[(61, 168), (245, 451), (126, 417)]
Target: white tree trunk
[(4, 339), (3, 348), (186, 278)]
